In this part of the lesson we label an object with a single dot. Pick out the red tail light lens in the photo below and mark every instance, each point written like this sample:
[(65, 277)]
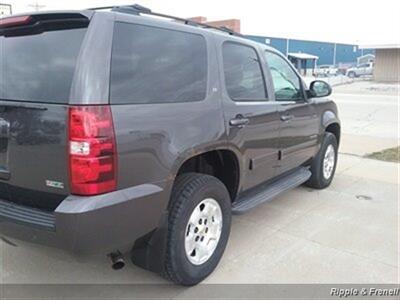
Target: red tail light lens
[(92, 150), (15, 21)]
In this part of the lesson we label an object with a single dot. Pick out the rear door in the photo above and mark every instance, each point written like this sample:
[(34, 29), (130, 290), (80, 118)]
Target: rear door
[(37, 65), (252, 120), (299, 127)]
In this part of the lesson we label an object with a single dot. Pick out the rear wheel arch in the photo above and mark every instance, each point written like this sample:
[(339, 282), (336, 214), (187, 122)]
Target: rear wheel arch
[(221, 163)]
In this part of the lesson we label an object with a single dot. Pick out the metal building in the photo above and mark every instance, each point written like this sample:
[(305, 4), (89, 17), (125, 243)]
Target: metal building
[(337, 54), (328, 53), (387, 62)]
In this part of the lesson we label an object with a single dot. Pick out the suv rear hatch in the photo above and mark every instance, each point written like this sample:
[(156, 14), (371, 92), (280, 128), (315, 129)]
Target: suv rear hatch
[(38, 57)]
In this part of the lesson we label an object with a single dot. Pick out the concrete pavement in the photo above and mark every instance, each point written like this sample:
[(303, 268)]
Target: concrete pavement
[(370, 116)]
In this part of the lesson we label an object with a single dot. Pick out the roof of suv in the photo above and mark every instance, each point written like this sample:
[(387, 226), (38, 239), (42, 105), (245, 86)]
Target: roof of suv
[(194, 26), (160, 21)]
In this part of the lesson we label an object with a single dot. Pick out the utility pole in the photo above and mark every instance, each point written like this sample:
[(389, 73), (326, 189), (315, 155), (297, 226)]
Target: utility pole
[(36, 6), (334, 55), (287, 47)]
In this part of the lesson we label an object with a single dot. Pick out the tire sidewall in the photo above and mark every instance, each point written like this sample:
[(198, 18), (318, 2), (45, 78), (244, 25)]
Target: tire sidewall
[(190, 273), (329, 139)]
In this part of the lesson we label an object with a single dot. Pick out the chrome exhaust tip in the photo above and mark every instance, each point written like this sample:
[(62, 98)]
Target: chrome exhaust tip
[(117, 260)]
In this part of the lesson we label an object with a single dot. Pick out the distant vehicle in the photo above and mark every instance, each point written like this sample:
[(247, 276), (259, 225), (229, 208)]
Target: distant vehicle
[(326, 70), (360, 70), (364, 59), (343, 67)]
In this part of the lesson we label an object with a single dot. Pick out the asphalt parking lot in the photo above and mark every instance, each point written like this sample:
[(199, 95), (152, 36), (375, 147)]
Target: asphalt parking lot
[(347, 233)]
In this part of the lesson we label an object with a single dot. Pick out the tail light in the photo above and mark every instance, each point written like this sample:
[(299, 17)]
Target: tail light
[(15, 21), (92, 150)]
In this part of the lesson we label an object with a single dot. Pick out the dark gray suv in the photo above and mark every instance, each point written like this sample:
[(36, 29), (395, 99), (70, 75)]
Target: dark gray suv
[(125, 133)]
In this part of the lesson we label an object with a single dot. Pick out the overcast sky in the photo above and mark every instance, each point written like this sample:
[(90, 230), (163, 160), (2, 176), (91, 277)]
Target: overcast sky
[(347, 21)]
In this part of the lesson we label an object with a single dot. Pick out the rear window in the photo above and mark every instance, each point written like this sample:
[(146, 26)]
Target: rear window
[(39, 67), (154, 65), (243, 76)]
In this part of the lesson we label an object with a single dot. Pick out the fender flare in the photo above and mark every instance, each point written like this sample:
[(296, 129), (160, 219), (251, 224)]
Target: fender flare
[(329, 117), (201, 149)]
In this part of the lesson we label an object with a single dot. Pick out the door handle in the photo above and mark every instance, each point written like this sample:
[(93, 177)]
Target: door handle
[(286, 118), (239, 122)]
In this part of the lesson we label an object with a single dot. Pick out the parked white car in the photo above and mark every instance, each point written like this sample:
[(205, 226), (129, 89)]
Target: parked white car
[(363, 69), (326, 70)]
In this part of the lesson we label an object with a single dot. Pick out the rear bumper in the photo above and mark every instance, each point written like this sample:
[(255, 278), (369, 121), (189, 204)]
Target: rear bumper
[(86, 225)]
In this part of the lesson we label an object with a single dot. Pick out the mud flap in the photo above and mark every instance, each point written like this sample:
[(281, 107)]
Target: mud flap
[(148, 251)]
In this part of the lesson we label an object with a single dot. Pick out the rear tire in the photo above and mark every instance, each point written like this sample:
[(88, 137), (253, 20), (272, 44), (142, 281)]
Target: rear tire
[(191, 195), (323, 166)]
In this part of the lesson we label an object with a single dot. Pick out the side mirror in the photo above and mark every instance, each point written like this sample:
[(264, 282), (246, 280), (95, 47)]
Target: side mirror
[(319, 88)]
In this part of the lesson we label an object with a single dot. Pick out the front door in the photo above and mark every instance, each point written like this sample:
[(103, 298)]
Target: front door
[(252, 120), (298, 133)]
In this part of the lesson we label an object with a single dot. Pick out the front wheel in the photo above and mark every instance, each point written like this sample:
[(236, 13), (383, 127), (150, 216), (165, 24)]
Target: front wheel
[(323, 166), (198, 228), (352, 74)]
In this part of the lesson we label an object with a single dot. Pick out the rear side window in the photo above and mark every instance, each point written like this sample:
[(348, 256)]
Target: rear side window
[(243, 75), (39, 67), (154, 65)]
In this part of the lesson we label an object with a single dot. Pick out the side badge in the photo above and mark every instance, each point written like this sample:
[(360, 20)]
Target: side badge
[(55, 184)]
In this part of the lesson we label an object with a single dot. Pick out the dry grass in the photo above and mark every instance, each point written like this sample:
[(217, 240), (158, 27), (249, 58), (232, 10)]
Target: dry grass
[(391, 154)]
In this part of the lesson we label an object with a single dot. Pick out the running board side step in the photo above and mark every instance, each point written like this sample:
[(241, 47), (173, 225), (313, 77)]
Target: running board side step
[(268, 191)]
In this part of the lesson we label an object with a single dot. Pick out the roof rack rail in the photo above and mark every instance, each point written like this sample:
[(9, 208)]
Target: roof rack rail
[(137, 9)]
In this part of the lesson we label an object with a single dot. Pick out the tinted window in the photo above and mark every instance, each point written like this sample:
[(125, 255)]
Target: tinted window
[(243, 76), (286, 82), (39, 67), (153, 65)]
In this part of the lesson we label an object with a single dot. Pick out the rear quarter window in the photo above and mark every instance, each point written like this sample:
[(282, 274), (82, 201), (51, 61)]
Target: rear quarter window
[(154, 65), (39, 67)]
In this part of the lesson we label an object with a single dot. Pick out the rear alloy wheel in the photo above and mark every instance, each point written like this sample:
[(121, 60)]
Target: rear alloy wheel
[(198, 227), (203, 231)]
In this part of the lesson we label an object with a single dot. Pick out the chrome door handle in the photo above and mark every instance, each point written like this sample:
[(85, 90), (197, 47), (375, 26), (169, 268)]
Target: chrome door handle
[(286, 118), (239, 122)]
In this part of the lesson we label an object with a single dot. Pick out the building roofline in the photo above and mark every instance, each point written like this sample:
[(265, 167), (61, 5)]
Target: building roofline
[(381, 46), (302, 55)]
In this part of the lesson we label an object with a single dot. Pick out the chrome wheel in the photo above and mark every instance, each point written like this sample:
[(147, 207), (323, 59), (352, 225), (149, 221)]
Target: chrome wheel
[(329, 162), (203, 231)]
